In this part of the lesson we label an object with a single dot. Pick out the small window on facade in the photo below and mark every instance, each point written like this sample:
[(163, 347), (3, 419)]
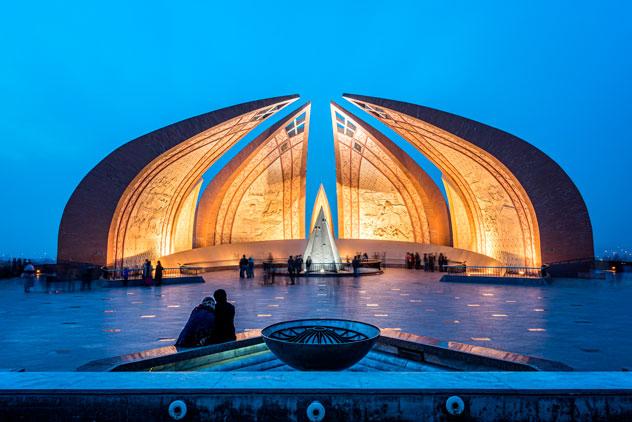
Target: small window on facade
[(297, 126), (357, 147)]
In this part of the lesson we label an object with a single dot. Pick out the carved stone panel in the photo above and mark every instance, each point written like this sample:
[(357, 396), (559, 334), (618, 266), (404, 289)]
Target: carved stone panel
[(260, 194), (382, 193)]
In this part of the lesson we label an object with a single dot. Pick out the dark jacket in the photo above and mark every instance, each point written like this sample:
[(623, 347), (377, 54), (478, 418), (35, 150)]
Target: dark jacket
[(158, 274), (199, 328), (224, 323)]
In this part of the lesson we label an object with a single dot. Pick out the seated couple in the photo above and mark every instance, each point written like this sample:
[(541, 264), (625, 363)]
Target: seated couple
[(211, 322)]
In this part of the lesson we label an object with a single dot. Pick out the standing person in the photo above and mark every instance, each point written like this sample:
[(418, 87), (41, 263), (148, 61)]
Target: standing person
[(125, 276), (299, 264), (148, 273), (251, 268), (308, 264), (426, 262), (431, 262), (200, 327), (158, 276), (356, 265), (243, 264), (29, 276), (290, 268), (417, 261), (224, 318), (267, 268), (266, 271)]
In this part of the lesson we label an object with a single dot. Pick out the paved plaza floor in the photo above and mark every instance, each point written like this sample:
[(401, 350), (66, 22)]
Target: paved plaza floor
[(583, 323)]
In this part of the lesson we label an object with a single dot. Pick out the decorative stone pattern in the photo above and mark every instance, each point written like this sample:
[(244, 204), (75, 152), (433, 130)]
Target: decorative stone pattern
[(520, 206), (183, 233), (126, 209), (260, 194), (463, 235), (382, 193)]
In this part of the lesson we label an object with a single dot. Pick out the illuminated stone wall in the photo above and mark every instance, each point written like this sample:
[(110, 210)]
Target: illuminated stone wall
[(382, 193), (508, 200), (136, 203), (260, 194), (185, 221)]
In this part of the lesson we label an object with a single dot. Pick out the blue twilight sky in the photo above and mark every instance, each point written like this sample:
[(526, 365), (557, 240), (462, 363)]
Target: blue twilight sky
[(78, 79)]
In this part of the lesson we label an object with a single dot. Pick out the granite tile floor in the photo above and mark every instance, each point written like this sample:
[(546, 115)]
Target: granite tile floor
[(583, 323)]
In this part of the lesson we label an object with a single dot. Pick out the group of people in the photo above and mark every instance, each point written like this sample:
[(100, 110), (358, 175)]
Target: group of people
[(429, 262), (246, 267), (13, 268), (211, 322), (151, 276), (295, 266)]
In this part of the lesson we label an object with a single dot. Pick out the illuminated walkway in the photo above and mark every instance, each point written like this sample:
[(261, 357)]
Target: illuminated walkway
[(582, 323)]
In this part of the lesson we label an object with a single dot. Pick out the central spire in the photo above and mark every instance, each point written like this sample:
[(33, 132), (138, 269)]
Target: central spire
[(321, 202), (321, 246)]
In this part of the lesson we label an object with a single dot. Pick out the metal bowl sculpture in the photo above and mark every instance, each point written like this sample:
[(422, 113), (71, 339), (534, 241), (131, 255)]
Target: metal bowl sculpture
[(320, 344)]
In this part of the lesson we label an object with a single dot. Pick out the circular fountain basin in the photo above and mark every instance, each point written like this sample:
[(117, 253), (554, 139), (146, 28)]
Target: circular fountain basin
[(320, 344)]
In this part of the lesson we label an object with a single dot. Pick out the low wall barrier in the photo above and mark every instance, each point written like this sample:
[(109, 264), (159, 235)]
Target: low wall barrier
[(504, 272)]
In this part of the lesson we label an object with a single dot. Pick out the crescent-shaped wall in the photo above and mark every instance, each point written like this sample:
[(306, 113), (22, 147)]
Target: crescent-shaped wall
[(382, 193), (508, 200), (260, 194), (136, 203)]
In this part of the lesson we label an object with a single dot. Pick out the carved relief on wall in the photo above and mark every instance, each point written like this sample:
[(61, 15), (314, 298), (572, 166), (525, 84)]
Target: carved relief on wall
[(484, 195), (182, 237), (463, 233), (145, 220), (378, 197), (260, 194)]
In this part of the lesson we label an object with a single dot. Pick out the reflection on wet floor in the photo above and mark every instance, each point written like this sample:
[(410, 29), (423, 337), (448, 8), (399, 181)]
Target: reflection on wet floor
[(583, 323)]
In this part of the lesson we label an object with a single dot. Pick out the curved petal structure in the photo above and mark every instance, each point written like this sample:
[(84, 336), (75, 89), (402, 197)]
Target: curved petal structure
[(260, 194), (138, 202), (382, 193), (508, 200)]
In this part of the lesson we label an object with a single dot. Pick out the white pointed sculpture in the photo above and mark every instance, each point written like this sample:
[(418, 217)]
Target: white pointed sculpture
[(321, 247)]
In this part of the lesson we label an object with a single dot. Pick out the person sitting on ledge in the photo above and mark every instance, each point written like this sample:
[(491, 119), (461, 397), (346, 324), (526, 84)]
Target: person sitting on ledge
[(200, 327), (224, 318)]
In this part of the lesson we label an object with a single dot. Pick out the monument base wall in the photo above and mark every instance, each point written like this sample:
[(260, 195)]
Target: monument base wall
[(394, 252)]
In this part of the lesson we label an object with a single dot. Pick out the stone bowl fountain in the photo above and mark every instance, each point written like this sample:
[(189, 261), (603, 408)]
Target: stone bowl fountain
[(320, 344)]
